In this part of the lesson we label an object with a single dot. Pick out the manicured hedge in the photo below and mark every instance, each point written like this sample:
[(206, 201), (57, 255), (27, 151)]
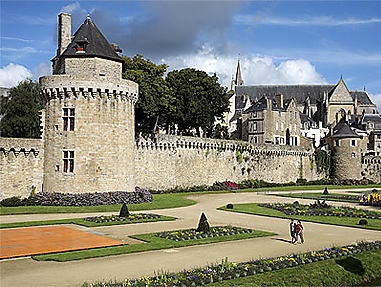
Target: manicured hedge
[(140, 195)]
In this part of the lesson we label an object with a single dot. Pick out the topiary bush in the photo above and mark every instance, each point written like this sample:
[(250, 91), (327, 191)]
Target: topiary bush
[(363, 222), (325, 192), (229, 206), (11, 201), (203, 224), (124, 211)]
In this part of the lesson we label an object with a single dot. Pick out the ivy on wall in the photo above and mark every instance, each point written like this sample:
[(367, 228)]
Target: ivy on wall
[(323, 161)]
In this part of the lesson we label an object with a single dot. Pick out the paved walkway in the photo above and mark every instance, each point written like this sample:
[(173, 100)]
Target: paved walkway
[(27, 272)]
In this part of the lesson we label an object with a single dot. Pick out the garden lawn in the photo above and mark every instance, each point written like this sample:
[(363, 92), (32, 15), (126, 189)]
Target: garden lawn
[(81, 221), (254, 208), (150, 242), (160, 201), (335, 196), (323, 273)]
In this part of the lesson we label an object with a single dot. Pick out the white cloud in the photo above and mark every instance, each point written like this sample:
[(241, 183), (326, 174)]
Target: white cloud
[(12, 74), (71, 8), (43, 69), (251, 20), (255, 69), (376, 99)]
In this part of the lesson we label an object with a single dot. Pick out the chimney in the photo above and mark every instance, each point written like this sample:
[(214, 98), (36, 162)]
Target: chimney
[(64, 32), (279, 100)]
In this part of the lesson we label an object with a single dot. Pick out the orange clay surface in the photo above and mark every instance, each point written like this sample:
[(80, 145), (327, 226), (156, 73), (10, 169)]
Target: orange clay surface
[(16, 242)]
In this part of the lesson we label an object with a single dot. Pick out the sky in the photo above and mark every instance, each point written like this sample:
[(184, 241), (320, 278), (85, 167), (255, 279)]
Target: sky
[(277, 42)]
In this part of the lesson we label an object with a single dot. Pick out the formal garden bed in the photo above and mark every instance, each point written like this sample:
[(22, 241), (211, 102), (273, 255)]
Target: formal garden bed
[(228, 270), (321, 209), (191, 234)]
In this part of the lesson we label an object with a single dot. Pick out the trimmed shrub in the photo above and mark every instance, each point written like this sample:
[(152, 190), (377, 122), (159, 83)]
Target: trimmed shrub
[(11, 201), (363, 222), (203, 224), (124, 211), (325, 192), (229, 206)]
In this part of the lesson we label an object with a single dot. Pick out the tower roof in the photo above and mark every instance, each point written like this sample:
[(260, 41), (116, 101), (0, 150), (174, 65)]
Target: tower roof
[(238, 75), (95, 43), (343, 130)]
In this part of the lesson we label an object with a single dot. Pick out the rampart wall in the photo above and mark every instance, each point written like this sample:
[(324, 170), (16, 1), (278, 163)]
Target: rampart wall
[(371, 168), (21, 166), (170, 161)]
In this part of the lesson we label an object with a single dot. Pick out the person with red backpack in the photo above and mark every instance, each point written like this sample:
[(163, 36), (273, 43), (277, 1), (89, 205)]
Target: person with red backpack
[(299, 232)]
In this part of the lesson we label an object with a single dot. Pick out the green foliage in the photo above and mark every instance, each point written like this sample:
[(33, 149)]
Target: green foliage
[(325, 192), (156, 104), (21, 111), (203, 224), (124, 211), (200, 100), (323, 161), (238, 156)]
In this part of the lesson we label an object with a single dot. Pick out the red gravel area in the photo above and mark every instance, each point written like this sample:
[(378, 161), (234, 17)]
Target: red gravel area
[(26, 241)]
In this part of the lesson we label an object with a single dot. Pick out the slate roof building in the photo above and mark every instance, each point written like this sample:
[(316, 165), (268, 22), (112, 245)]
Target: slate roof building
[(320, 106)]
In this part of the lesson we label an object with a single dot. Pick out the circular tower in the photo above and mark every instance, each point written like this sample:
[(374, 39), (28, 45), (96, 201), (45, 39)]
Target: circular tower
[(89, 115), (347, 147)]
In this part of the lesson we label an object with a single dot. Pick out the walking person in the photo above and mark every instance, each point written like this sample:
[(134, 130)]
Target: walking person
[(293, 231), (299, 232)]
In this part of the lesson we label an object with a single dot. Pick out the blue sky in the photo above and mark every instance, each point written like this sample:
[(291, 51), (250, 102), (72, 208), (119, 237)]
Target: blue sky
[(277, 42)]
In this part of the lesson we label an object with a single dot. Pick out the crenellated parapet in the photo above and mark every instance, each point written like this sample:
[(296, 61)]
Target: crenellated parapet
[(169, 142), (20, 147), (73, 87)]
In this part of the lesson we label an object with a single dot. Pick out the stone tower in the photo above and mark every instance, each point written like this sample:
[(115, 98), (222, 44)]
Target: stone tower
[(346, 149), (89, 115)]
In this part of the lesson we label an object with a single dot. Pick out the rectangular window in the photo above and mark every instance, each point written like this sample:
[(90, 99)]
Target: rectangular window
[(68, 119), (276, 126), (254, 114), (255, 126), (68, 161), (290, 115), (353, 143), (336, 143)]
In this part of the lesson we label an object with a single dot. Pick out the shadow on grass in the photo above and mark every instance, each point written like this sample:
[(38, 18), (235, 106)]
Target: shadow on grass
[(352, 265)]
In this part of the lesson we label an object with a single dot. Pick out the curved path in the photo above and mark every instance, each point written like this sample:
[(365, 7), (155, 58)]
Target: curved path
[(27, 272)]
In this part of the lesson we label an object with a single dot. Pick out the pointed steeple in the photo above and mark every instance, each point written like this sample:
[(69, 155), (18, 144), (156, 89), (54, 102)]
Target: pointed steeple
[(238, 75)]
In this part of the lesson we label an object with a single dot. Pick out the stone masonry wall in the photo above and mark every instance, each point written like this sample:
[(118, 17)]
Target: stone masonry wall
[(21, 166), (371, 168), (171, 161)]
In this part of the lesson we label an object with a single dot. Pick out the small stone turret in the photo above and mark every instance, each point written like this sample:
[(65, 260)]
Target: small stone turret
[(89, 116)]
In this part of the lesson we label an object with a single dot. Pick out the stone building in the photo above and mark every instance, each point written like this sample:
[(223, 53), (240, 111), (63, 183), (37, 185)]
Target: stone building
[(89, 114), (272, 121), (321, 106)]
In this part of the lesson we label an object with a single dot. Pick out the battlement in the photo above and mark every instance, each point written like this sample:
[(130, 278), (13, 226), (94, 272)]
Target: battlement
[(170, 142), (68, 86), (17, 147)]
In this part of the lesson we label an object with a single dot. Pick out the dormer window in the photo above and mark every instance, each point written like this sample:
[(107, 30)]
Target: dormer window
[(81, 44)]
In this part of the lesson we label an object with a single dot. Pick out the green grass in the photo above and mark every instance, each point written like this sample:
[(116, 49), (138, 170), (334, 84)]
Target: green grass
[(80, 221), (323, 273), (150, 242), (254, 208), (160, 201), (315, 195)]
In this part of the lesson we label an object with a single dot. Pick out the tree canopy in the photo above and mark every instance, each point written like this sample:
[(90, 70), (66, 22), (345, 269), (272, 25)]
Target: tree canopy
[(155, 105), (200, 100), (21, 111)]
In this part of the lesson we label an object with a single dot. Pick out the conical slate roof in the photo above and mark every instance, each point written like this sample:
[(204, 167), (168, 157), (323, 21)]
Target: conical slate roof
[(343, 130), (96, 44)]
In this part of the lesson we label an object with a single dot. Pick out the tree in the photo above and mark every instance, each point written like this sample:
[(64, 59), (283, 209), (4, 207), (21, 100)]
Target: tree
[(200, 100), (21, 111), (155, 105)]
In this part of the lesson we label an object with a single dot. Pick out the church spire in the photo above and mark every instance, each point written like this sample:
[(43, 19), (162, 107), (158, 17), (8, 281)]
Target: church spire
[(238, 75)]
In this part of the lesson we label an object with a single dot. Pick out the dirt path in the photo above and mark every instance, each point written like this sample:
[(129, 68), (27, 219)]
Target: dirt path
[(26, 272)]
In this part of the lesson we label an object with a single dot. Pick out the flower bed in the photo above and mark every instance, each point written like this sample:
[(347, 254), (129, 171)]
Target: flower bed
[(227, 270), (117, 218), (140, 195), (341, 197), (373, 198), (189, 234), (299, 209)]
